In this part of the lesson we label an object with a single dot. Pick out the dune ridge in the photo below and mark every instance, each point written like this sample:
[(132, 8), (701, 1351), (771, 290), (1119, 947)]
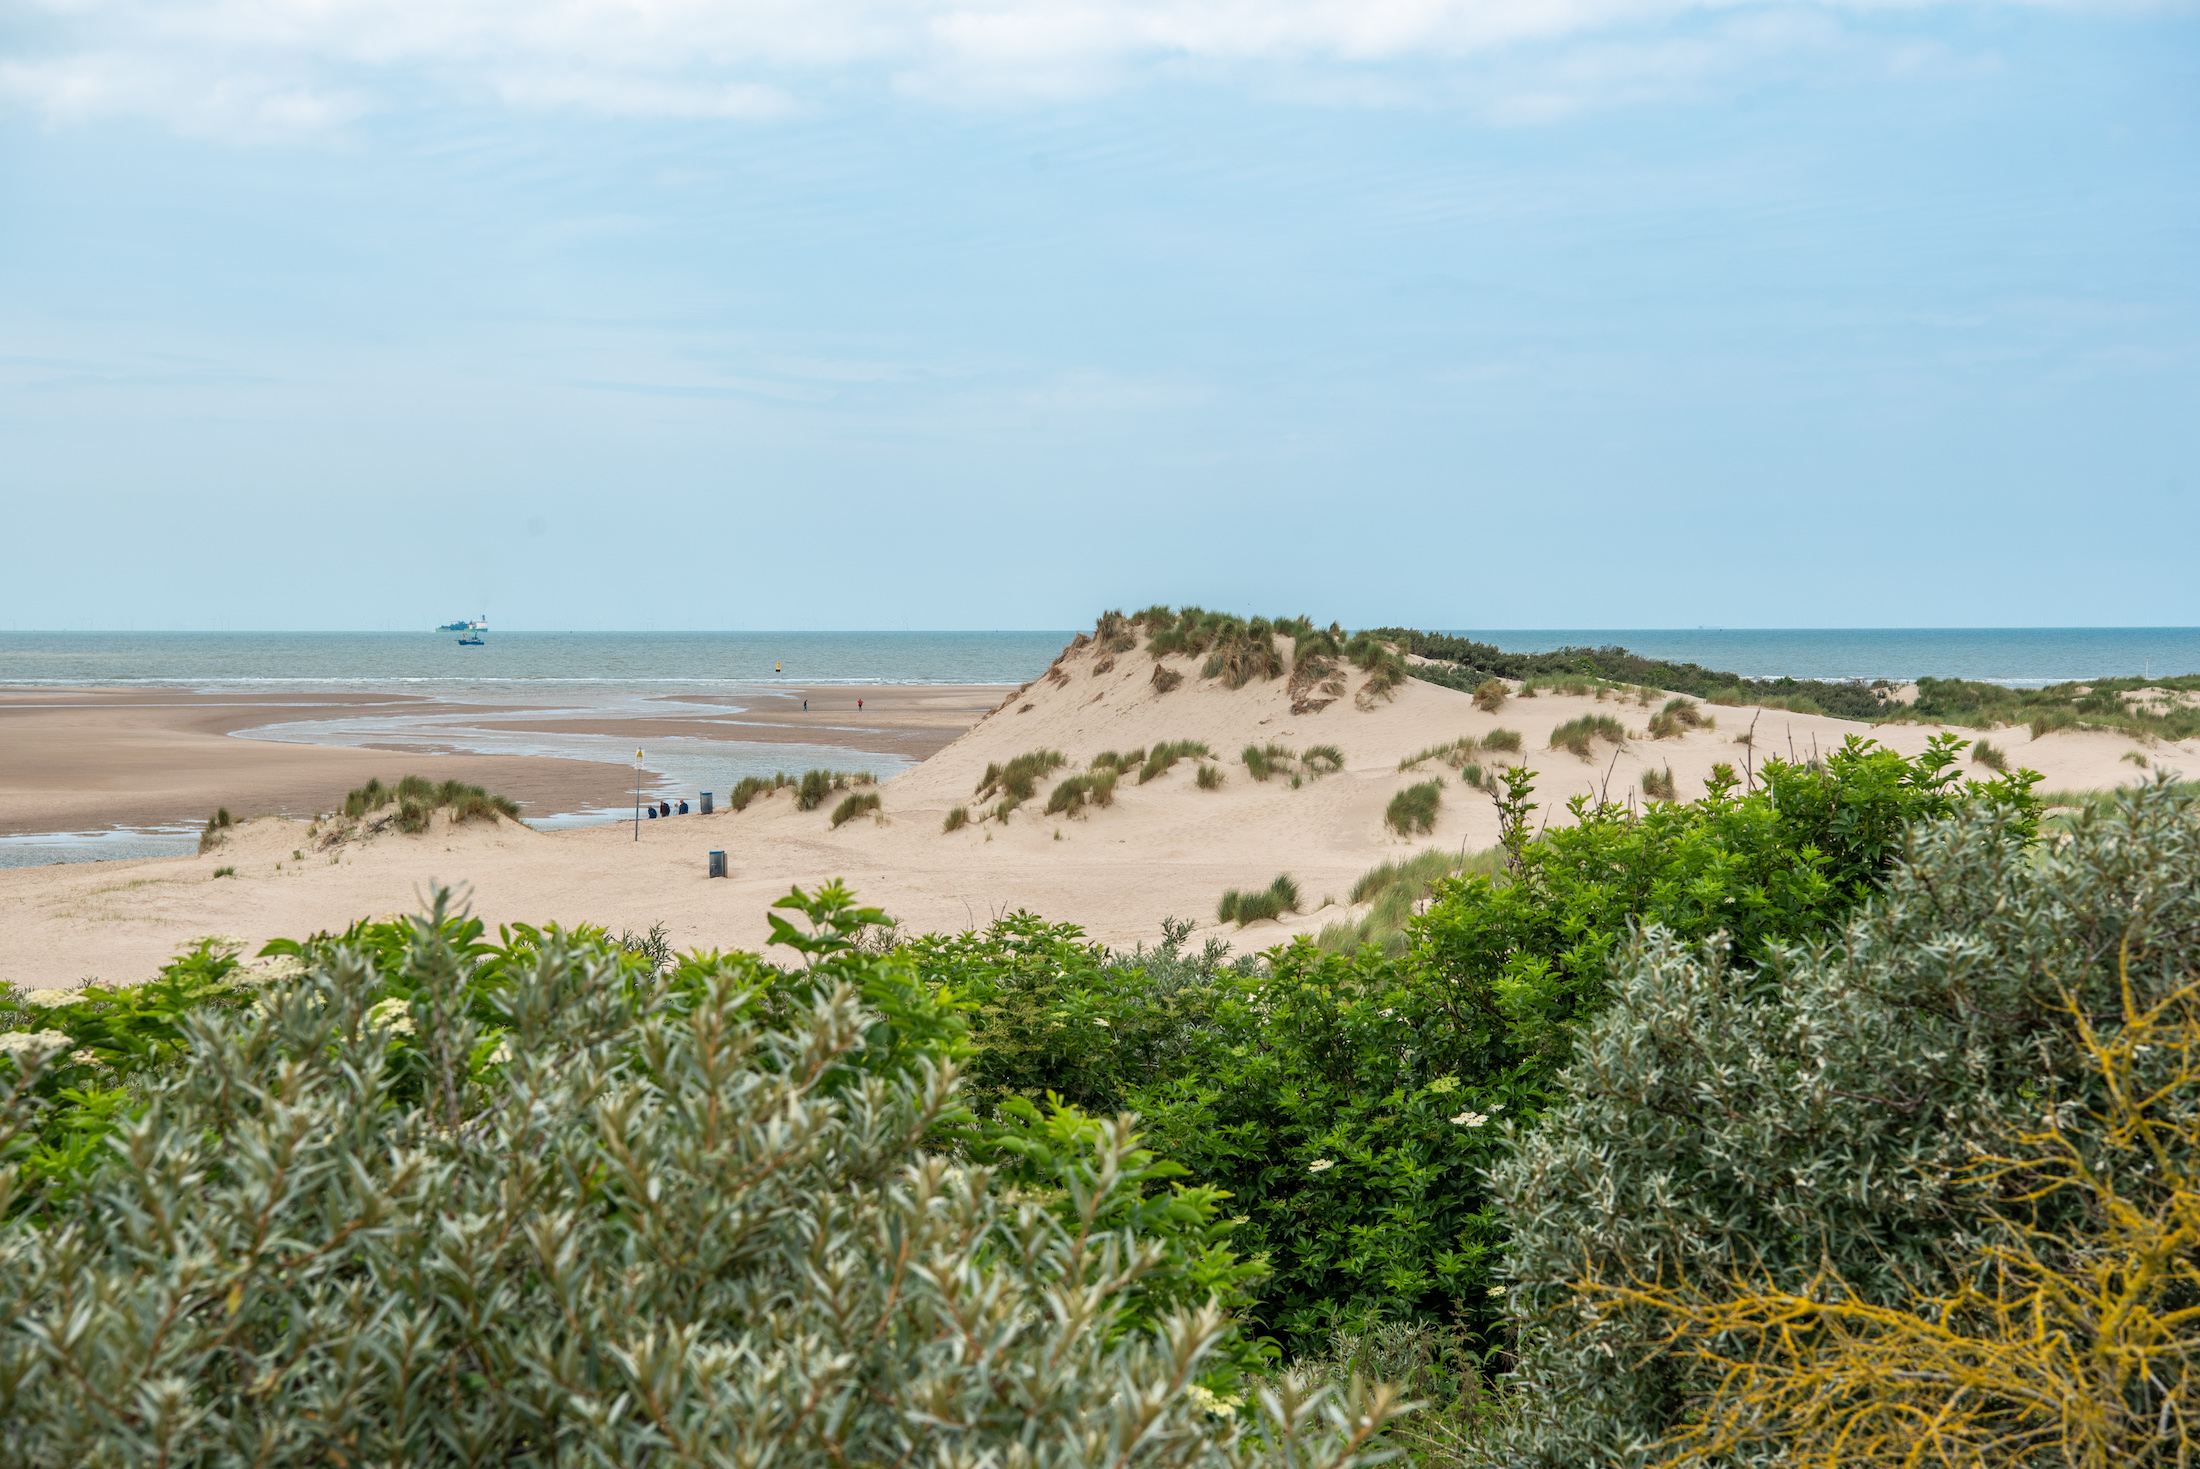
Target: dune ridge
[(1162, 843)]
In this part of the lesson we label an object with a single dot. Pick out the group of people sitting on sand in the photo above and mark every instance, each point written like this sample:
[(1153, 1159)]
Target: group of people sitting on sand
[(664, 808)]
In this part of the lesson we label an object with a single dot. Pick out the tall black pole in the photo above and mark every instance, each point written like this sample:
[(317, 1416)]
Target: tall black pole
[(637, 795)]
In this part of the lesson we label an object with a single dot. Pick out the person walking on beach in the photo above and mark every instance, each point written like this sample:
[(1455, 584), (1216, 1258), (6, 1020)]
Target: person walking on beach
[(859, 703), (805, 706)]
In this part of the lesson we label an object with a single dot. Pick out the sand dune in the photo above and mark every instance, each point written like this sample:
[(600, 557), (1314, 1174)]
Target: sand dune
[(1163, 848)]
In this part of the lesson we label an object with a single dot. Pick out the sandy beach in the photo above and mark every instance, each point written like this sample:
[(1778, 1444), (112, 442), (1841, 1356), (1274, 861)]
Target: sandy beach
[(88, 758), (1165, 848)]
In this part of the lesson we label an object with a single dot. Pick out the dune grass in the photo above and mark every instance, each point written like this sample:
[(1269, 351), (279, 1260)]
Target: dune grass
[(1660, 785), (1018, 779), (1490, 695), (1321, 760), (1504, 741), (1396, 891), (1677, 718), (1209, 777), (1454, 753), (1273, 901), (1094, 787), (1166, 680), (1263, 761), (1118, 760), (854, 806), (1414, 808), (749, 787), (1164, 756), (417, 798), (225, 872), (1984, 752), (1576, 734), (957, 819)]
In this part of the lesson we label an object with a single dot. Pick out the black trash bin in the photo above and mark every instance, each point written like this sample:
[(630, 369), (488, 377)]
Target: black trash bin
[(706, 803), (717, 864)]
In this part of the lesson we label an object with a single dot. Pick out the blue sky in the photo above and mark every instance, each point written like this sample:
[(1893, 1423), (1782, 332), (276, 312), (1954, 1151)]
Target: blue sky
[(894, 313)]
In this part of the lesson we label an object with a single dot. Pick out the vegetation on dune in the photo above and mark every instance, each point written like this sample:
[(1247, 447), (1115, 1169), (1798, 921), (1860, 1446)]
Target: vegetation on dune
[(1094, 787), (418, 798), (1273, 901), (1659, 785), (1414, 808), (1575, 734), (854, 806), (1677, 718), (1163, 757), (957, 818), (749, 787), (1321, 760), (1209, 778), (1018, 780), (1506, 741), (2159, 708), (817, 786), (1470, 662), (1490, 695), (1455, 753), (1396, 891), (216, 830)]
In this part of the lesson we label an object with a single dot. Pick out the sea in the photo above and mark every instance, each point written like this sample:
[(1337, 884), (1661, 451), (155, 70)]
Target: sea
[(607, 673)]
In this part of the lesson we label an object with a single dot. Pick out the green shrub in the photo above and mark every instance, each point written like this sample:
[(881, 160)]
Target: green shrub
[(1984, 753), (1163, 756), (1575, 734), (1320, 760), (1838, 1130), (1490, 695), (1209, 778), (854, 806), (957, 819), (703, 1190), (1503, 740), (1414, 808), (1018, 779)]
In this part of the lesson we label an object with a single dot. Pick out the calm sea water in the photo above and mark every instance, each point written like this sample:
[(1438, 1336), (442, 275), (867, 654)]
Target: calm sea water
[(695, 661), (611, 673)]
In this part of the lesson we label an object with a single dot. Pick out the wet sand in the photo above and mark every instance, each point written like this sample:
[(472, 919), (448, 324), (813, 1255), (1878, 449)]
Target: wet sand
[(77, 759)]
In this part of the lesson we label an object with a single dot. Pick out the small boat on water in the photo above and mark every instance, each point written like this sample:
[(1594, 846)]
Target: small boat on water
[(473, 642)]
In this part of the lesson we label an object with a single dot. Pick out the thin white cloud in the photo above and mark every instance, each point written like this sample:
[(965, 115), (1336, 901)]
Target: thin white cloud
[(288, 66)]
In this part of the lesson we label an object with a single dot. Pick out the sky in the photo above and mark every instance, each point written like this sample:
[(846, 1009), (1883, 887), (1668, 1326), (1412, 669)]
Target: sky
[(994, 313)]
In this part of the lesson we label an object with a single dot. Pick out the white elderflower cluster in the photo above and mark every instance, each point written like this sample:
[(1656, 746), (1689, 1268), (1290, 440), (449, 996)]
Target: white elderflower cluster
[(393, 1014), (30, 1043)]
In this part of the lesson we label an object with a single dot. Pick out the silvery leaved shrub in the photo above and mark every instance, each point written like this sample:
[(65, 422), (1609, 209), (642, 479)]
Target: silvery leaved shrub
[(1821, 1118)]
